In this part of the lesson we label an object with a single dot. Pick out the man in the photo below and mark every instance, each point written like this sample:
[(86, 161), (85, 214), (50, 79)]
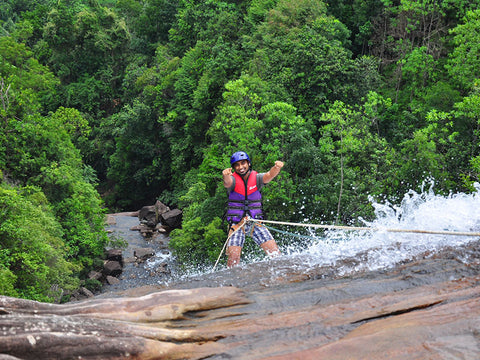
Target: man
[(244, 199)]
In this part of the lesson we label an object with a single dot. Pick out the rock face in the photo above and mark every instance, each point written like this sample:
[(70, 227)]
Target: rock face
[(111, 328), (151, 216), (172, 218), (427, 309)]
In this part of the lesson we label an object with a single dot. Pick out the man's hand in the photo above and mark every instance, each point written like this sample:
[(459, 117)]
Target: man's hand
[(227, 177), (273, 172)]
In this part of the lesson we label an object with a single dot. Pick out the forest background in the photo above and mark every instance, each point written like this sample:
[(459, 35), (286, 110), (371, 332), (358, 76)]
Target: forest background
[(109, 105)]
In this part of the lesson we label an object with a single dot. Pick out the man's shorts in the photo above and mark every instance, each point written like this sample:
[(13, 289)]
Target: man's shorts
[(260, 234)]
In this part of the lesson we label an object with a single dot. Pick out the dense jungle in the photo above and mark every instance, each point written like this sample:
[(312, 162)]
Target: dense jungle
[(110, 105)]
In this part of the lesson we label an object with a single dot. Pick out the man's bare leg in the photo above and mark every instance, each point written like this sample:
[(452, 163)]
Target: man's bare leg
[(270, 247), (233, 253)]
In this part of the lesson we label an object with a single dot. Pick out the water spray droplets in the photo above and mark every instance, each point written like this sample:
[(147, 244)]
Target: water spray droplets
[(352, 251)]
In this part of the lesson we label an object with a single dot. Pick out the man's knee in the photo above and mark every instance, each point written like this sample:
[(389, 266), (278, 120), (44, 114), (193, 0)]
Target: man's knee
[(271, 248)]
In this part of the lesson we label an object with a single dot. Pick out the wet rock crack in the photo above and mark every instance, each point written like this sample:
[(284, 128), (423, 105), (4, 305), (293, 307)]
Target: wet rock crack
[(398, 312)]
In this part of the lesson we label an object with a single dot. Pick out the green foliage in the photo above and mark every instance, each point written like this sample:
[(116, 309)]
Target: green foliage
[(470, 179), (418, 69), (7, 282), (93, 285), (98, 39), (359, 160), (44, 156), (78, 206), (359, 17), (204, 21), (31, 85), (137, 164), (33, 258), (46, 255), (464, 141), (197, 243), (203, 232), (304, 52), (148, 100), (149, 20), (464, 61)]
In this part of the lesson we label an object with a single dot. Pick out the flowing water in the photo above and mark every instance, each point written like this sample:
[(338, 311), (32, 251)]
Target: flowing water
[(325, 254)]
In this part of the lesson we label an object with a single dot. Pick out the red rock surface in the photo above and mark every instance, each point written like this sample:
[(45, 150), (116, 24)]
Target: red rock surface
[(429, 309)]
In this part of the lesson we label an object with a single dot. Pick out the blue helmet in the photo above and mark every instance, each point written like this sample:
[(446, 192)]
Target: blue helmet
[(239, 155)]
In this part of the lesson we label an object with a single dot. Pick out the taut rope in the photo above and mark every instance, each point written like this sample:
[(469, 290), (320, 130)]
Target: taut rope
[(357, 228), (341, 227)]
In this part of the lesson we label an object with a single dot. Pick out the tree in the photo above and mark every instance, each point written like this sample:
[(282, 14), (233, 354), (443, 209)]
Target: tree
[(33, 256), (139, 165), (204, 21), (357, 160), (89, 49), (149, 22), (194, 94), (464, 64), (31, 85), (303, 53), (358, 17), (37, 150), (466, 118)]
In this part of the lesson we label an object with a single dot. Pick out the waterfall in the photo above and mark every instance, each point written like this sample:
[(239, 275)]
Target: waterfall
[(351, 251)]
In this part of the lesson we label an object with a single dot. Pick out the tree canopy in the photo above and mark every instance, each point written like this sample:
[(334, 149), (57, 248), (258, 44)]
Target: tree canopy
[(117, 103)]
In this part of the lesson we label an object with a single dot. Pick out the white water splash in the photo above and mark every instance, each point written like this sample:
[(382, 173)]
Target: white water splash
[(352, 251)]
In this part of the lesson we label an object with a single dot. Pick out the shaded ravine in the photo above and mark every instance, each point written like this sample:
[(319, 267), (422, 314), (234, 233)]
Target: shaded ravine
[(135, 273)]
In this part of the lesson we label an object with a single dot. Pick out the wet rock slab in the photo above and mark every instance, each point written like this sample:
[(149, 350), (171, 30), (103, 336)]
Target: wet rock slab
[(425, 309), (121, 328)]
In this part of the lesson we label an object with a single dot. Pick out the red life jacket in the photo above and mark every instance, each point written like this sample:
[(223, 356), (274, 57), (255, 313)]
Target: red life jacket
[(244, 199)]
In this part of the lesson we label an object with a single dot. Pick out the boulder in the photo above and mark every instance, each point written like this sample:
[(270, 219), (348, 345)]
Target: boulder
[(161, 229), (172, 218), (112, 280), (110, 219), (85, 292), (112, 268), (161, 208), (95, 275), (148, 216), (143, 254), (114, 254), (146, 231)]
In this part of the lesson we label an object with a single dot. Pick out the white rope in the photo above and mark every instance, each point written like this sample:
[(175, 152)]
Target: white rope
[(356, 228), (340, 227)]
